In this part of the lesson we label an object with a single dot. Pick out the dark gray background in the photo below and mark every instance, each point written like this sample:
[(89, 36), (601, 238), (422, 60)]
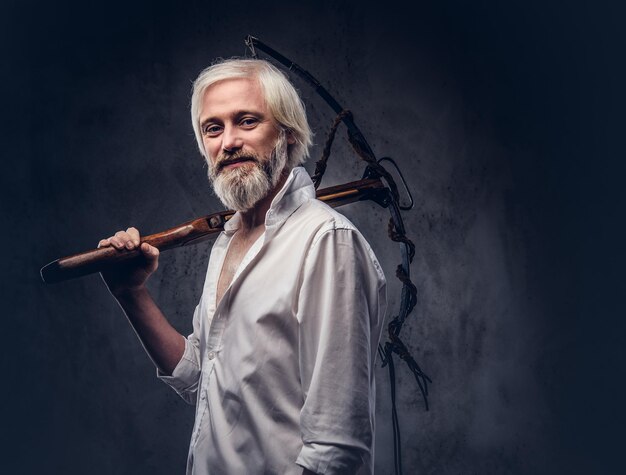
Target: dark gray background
[(507, 119)]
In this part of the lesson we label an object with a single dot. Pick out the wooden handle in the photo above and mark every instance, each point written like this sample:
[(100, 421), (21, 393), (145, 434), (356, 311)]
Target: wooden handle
[(88, 262), (192, 232)]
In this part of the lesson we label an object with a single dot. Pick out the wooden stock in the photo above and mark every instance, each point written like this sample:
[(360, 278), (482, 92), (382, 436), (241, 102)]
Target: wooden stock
[(192, 232)]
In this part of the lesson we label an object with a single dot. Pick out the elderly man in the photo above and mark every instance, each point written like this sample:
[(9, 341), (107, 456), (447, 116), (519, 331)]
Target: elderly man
[(280, 364)]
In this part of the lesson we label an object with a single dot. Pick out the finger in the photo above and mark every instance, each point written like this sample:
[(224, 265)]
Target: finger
[(103, 243), (134, 235), (125, 240), (117, 242)]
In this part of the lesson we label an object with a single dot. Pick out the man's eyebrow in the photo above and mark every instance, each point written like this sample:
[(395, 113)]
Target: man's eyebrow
[(206, 121)]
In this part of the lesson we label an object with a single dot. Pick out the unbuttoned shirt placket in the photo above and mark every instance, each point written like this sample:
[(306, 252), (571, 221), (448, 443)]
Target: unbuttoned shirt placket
[(218, 321)]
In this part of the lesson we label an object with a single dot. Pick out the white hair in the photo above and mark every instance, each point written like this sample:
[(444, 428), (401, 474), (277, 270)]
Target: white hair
[(280, 96)]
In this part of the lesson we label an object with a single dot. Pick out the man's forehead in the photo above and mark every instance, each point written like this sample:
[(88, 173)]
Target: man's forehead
[(230, 98), (230, 89), (231, 95)]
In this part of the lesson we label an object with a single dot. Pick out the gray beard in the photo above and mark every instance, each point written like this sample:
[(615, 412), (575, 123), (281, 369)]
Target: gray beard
[(243, 187)]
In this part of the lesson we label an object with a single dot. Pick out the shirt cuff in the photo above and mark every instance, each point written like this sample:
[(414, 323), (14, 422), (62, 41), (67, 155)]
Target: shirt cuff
[(329, 459), (184, 378)]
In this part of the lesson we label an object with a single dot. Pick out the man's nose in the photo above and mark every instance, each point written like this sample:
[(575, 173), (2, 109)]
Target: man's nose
[(231, 139)]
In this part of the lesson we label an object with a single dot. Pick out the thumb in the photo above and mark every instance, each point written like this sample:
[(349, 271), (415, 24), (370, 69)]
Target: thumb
[(151, 253)]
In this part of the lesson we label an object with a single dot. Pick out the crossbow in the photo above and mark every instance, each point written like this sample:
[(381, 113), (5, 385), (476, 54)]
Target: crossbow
[(391, 201), (377, 185)]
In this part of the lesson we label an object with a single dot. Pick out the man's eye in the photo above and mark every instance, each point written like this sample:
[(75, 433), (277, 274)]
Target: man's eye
[(249, 122), (211, 130)]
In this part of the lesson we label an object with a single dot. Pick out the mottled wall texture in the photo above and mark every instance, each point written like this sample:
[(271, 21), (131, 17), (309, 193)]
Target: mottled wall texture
[(505, 117)]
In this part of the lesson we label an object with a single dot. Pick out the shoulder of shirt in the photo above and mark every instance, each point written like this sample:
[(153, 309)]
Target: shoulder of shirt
[(317, 218), (318, 212)]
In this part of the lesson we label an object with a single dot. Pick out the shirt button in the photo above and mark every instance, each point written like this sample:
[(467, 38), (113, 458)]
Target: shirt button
[(211, 355)]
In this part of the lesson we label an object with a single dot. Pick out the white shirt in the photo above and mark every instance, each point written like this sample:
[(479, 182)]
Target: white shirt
[(282, 370)]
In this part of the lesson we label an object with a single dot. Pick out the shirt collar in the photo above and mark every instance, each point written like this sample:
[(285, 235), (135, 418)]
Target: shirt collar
[(297, 190)]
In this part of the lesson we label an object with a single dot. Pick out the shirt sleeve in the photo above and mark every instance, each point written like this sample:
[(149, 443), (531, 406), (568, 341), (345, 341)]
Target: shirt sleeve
[(185, 377), (340, 310)]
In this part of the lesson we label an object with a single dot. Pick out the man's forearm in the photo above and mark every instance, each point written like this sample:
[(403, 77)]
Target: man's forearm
[(162, 342)]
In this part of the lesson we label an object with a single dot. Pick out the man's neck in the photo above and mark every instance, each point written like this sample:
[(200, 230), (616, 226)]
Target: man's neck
[(254, 218)]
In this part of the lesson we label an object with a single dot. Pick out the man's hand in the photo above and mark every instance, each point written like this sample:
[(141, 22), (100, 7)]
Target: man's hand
[(132, 275), (164, 344)]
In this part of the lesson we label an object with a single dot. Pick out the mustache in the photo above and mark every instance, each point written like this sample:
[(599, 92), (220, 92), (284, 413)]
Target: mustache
[(225, 160)]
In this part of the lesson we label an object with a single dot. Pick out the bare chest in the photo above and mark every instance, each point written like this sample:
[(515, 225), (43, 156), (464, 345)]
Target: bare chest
[(237, 250)]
